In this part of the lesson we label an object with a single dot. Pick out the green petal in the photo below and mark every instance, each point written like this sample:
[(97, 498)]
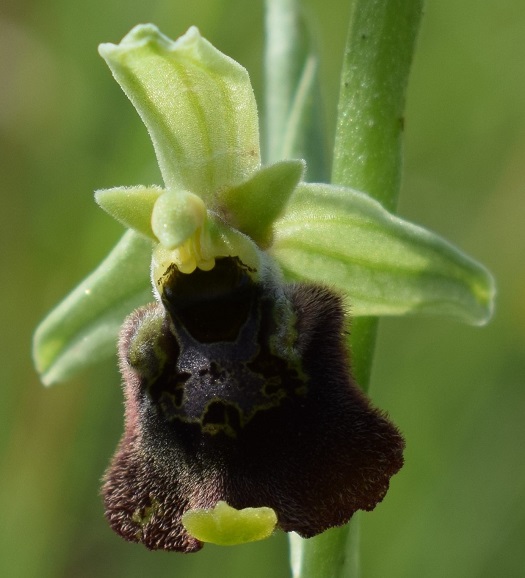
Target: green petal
[(84, 327), (131, 206), (386, 265), (197, 104), (253, 206)]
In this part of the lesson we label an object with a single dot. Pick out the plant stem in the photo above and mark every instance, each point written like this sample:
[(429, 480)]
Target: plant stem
[(367, 156), (370, 122), (378, 55)]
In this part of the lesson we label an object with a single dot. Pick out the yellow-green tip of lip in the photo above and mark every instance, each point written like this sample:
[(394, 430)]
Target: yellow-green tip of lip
[(226, 526)]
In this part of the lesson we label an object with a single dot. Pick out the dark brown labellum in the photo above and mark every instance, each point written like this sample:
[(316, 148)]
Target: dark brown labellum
[(238, 388)]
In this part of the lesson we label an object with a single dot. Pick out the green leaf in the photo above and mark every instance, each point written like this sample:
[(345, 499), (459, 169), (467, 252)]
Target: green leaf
[(293, 110), (197, 104), (253, 206), (385, 265), (305, 129), (131, 206), (84, 327)]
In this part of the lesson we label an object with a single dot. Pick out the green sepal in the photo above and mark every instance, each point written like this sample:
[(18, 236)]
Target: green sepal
[(83, 328), (387, 266), (131, 206), (197, 104), (227, 526), (253, 206)]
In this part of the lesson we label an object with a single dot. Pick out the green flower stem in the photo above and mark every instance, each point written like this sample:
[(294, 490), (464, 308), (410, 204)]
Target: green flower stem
[(326, 555), (367, 157), (368, 142)]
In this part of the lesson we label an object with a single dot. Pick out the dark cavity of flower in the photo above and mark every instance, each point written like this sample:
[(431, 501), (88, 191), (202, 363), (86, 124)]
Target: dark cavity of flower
[(238, 389)]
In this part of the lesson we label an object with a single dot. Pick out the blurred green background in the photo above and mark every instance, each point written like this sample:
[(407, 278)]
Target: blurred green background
[(457, 392)]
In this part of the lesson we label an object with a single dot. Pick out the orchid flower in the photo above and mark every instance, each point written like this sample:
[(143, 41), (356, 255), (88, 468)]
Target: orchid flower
[(231, 292)]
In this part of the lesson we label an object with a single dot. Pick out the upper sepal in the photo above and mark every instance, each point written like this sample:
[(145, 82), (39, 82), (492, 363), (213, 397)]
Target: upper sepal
[(197, 104)]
